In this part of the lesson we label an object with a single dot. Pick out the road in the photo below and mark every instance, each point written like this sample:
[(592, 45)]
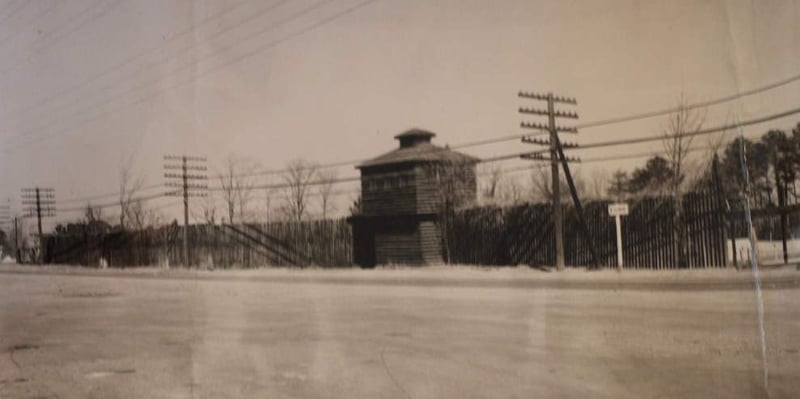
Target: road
[(320, 334)]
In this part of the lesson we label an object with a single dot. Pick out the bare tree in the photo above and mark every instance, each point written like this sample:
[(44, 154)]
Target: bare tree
[(237, 186), (455, 184), (128, 189), (597, 185), (138, 216), (297, 178), (510, 191), (92, 213), (618, 187), (542, 185), (326, 177), (677, 141), (269, 193), (492, 178), (206, 209)]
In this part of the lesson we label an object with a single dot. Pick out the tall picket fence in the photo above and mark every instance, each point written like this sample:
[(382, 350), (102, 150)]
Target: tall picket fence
[(523, 234), (323, 243)]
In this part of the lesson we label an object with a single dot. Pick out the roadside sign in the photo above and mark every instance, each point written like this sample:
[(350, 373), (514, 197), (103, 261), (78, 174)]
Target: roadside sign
[(618, 209)]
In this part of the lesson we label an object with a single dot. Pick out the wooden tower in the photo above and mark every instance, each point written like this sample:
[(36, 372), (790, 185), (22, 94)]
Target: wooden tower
[(404, 194)]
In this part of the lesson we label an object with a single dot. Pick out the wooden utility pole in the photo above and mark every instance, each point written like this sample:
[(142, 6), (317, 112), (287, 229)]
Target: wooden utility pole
[(40, 203), (187, 189), (16, 241), (780, 187), (723, 215), (558, 217), (5, 219), (556, 156)]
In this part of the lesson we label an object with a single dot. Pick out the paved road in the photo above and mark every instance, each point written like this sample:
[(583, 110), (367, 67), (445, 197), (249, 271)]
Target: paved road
[(318, 335)]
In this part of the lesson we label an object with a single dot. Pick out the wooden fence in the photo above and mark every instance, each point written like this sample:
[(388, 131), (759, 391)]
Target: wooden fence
[(315, 243), (484, 235), (524, 234)]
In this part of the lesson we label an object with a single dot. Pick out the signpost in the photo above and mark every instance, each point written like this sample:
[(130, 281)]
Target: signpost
[(617, 210)]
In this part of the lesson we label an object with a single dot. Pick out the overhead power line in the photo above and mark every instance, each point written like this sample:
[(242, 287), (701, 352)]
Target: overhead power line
[(195, 76), (585, 125), (328, 165), (585, 146), (700, 132), (285, 185), (107, 195), (94, 13), (112, 204), (154, 208), (645, 139), (192, 29), (484, 160), (696, 105), (595, 159)]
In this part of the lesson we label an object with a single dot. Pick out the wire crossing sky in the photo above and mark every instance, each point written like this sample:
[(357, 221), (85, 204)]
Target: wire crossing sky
[(92, 85)]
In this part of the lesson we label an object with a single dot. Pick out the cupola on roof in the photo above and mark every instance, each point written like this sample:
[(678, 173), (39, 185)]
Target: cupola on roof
[(412, 137), (416, 147)]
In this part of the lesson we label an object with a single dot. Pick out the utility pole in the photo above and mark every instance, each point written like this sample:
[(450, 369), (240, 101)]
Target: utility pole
[(16, 241), (556, 156), (5, 220), (780, 186), (40, 202), (184, 182)]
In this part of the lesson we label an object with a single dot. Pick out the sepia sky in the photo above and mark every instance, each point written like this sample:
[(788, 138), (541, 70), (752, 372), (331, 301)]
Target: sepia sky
[(91, 85)]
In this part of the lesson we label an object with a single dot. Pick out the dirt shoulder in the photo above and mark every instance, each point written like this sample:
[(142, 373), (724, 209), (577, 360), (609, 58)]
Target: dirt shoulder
[(466, 276)]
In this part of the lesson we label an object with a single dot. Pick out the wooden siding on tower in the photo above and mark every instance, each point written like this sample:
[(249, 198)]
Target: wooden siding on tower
[(390, 191), (430, 242), (427, 200), (398, 244)]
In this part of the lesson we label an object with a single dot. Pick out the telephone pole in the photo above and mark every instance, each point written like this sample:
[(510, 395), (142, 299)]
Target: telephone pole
[(16, 241), (556, 156), (5, 220), (41, 203), (190, 170)]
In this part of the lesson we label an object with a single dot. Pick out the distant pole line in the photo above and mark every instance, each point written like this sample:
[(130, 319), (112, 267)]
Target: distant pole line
[(39, 202), (484, 160), (191, 169)]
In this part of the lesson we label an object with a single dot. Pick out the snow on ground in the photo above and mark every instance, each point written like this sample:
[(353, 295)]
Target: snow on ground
[(442, 332)]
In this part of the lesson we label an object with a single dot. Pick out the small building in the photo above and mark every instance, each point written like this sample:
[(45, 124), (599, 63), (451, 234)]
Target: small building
[(403, 194)]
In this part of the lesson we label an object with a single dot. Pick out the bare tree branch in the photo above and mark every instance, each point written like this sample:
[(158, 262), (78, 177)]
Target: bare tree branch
[(299, 173), (678, 137), (128, 188), (237, 189), (327, 177)]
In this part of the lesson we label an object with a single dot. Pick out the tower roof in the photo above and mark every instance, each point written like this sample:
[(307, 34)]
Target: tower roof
[(416, 147)]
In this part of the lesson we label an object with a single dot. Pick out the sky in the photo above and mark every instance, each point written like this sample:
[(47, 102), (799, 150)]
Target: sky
[(91, 86)]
